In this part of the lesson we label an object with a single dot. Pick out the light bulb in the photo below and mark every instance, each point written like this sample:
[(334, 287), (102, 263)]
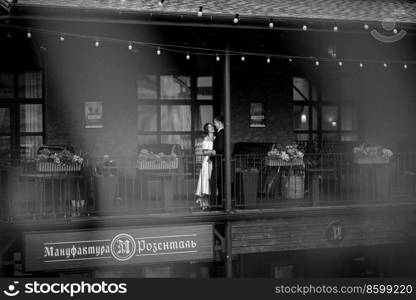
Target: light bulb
[(317, 63), (29, 35), (97, 44), (304, 27), (243, 58), (335, 28), (130, 46), (62, 38), (268, 60)]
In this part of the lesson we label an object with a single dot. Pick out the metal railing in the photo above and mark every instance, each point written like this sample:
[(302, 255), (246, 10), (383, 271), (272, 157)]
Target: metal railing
[(123, 188)]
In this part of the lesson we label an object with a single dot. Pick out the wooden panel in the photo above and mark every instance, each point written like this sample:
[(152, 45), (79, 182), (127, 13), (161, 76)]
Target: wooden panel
[(87, 249), (309, 232)]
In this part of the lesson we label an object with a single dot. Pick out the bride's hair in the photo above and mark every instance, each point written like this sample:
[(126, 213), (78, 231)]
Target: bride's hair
[(206, 127)]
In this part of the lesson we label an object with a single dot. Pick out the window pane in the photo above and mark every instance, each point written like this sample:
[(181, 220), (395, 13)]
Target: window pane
[(329, 118), (204, 88), (146, 87), (146, 139), (175, 87), (147, 118), (349, 136), (349, 120), (183, 140), (175, 117), (302, 137), (314, 118), (329, 137), (204, 115), (29, 146), (301, 117), (6, 85), (31, 118), (302, 85), (4, 120), (29, 84), (330, 88), (4, 147)]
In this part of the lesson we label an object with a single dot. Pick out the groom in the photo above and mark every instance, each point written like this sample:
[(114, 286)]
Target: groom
[(216, 183)]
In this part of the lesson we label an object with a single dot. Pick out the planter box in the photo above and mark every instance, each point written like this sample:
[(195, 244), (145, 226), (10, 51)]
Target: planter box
[(157, 165), (370, 160), (276, 162), (52, 167)]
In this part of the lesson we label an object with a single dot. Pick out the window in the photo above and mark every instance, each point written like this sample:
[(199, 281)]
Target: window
[(326, 112), (172, 109), (21, 114)]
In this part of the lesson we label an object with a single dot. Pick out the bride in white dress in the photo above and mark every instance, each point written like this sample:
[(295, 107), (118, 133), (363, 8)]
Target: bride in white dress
[(203, 188)]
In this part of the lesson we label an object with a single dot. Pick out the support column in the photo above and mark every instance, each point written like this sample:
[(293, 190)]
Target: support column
[(228, 204)]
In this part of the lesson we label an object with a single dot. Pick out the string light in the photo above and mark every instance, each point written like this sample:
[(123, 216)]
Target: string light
[(304, 27), (130, 46), (158, 52), (236, 19), (188, 57), (395, 31), (385, 65), (405, 66), (340, 63), (200, 11), (97, 44), (366, 26), (217, 57), (271, 23), (243, 58), (361, 65), (335, 28), (62, 38), (29, 35), (291, 60), (317, 63), (268, 59)]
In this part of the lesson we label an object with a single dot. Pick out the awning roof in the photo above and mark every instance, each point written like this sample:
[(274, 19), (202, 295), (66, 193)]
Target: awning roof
[(348, 10)]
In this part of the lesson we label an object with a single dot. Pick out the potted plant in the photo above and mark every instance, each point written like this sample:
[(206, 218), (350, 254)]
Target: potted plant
[(372, 155), (148, 160), (60, 160)]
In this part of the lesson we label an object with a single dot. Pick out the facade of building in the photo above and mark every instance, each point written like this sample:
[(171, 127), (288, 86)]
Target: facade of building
[(107, 79)]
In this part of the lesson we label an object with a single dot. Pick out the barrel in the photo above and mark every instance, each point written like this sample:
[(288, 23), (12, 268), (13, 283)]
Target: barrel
[(294, 186)]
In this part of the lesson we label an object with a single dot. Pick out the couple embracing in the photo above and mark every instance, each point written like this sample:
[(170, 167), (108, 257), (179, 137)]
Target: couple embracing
[(209, 189)]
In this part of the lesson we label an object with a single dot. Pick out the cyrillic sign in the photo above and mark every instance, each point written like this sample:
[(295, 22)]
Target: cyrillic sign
[(88, 249)]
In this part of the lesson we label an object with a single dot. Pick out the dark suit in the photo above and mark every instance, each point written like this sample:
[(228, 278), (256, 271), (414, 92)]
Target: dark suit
[(217, 177)]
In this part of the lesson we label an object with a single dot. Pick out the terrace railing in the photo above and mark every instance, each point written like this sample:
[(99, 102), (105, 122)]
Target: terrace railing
[(126, 188)]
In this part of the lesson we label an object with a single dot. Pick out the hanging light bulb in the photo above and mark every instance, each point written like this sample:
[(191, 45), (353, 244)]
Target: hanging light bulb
[(62, 38), (97, 44), (158, 52), (130, 46), (268, 59), (188, 57), (385, 65), (304, 27), (361, 65), (236, 19), (340, 63), (405, 66), (335, 28), (200, 11), (271, 23), (317, 63), (291, 60), (366, 26), (243, 58), (303, 118), (395, 31), (217, 58), (29, 35)]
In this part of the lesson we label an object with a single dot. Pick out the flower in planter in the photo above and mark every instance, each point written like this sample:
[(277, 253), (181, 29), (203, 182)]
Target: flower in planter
[(290, 153), (377, 152), (61, 158)]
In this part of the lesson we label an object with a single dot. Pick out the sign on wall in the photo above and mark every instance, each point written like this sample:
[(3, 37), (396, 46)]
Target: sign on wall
[(87, 249), (93, 114), (257, 118)]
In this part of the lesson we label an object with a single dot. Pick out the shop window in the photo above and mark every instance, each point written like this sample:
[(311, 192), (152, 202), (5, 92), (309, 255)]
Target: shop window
[(147, 118), (204, 88), (173, 108), (29, 85), (175, 117), (6, 85), (175, 87), (147, 87), (4, 120)]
